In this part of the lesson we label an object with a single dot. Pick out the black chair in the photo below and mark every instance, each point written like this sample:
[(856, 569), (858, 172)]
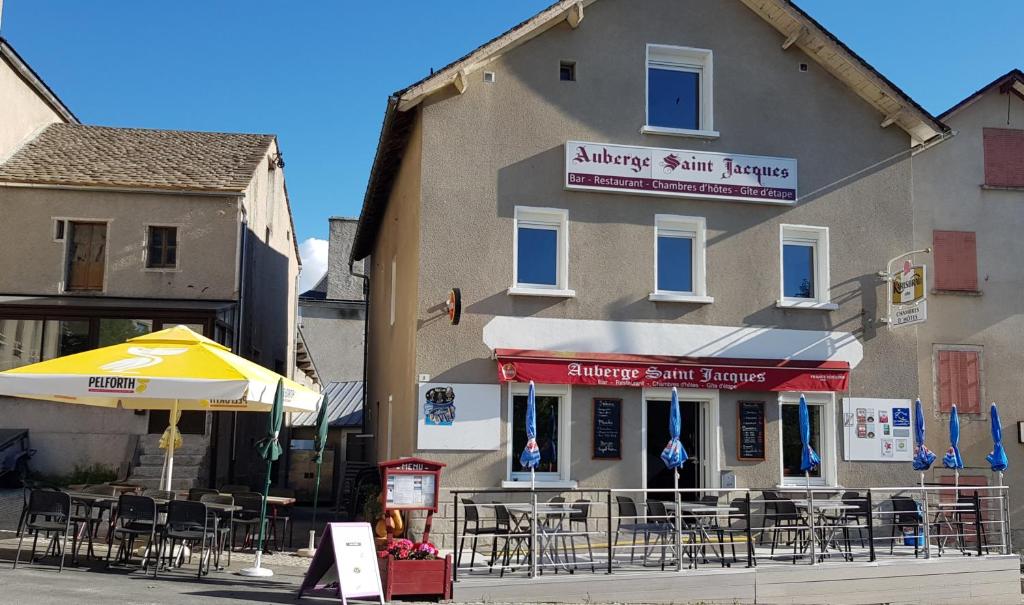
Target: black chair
[(661, 528), (905, 515), (187, 525), (196, 493), (785, 518), (736, 524), (856, 518), (88, 516), (248, 518), (48, 512), (580, 515), (136, 517), (968, 524), (506, 529), (472, 515), (627, 512), (768, 498), (225, 522)]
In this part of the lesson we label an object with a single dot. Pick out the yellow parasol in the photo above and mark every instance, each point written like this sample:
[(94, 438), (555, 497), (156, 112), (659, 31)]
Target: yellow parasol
[(173, 369)]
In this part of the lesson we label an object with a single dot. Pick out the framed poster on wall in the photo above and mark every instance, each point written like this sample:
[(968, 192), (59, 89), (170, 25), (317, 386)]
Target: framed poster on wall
[(458, 416), (750, 430), (607, 429), (878, 430)]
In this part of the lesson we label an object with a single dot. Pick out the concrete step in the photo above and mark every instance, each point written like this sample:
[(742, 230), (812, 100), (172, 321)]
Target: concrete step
[(154, 483), (179, 458), (185, 472), (184, 450)]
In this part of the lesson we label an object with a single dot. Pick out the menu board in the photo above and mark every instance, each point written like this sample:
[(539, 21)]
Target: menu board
[(750, 430), (410, 491), (607, 429)]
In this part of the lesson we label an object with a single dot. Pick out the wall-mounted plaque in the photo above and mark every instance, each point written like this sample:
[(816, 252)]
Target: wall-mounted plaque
[(750, 430), (607, 429)]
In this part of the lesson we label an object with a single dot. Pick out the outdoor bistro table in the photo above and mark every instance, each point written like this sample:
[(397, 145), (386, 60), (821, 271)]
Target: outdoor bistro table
[(822, 522), (705, 515), (274, 502), (547, 533)]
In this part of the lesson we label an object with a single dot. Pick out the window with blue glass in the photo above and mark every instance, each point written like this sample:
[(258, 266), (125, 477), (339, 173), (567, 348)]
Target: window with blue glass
[(679, 89), (540, 253), (798, 270), (675, 261), (537, 255), (805, 266), (673, 97)]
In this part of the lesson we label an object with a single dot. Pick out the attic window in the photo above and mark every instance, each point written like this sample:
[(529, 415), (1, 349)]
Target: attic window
[(567, 71), (489, 77)]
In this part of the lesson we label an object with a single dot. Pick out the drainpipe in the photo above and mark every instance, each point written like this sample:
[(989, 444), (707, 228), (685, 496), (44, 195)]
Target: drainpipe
[(244, 239), (366, 327)]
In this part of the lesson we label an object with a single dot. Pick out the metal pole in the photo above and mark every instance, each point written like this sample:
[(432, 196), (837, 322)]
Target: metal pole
[(871, 529), (810, 519), (977, 521), (612, 537), (677, 529), (534, 547), (750, 537), (1008, 541), (455, 535), (927, 533)]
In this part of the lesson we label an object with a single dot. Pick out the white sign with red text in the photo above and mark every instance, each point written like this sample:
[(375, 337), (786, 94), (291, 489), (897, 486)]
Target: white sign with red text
[(680, 173)]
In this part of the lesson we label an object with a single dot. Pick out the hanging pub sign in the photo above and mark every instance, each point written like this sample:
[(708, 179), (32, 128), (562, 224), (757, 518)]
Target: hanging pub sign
[(907, 295), (680, 173), (600, 369)]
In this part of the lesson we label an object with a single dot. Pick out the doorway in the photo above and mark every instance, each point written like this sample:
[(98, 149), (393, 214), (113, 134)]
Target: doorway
[(659, 477)]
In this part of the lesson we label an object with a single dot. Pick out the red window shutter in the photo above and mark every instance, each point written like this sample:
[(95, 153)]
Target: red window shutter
[(1004, 157), (945, 381), (956, 260), (959, 379)]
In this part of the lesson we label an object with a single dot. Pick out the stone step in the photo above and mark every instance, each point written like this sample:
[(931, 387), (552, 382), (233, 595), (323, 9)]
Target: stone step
[(177, 484), (185, 472), (179, 458), (187, 449)]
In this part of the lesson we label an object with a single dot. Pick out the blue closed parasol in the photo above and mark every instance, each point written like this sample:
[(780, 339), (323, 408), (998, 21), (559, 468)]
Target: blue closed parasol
[(923, 457), (997, 459), (530, 457)]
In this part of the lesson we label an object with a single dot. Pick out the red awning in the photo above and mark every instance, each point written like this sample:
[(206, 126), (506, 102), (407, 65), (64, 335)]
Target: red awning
[(603, 369)]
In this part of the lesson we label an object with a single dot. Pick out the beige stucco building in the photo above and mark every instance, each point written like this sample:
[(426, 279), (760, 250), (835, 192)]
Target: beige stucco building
[(968, 193), (630, 198), (113, 232)]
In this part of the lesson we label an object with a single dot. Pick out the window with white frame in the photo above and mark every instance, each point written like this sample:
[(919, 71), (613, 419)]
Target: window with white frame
[(821, 410), (804, 267), (679, 262), (553, 422), (679, 91), (541, 252)]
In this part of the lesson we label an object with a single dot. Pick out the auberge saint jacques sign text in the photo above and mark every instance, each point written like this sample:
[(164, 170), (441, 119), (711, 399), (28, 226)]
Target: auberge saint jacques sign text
[(680, 173)]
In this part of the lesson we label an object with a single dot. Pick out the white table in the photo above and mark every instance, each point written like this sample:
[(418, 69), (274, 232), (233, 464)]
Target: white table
[(820, 508), (546, 533)]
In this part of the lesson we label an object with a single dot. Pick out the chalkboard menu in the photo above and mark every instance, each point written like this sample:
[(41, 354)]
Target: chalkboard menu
[(750, 430), (607, 429)]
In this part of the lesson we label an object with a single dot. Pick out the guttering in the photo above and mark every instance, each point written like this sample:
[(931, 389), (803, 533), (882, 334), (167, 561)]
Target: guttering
[(366, 331), (114, 189)]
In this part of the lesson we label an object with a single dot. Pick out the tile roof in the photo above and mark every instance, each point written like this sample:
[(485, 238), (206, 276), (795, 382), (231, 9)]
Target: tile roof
[(344, 406), (101, 156)]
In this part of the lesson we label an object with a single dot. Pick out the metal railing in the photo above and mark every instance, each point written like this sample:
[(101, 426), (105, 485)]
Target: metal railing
[(496, 532)]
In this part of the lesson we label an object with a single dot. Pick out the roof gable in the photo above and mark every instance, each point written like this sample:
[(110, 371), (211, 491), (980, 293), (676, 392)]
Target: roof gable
[(1012, 82), (36, 83)]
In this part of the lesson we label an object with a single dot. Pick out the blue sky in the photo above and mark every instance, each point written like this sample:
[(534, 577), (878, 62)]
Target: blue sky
[(317, 73)]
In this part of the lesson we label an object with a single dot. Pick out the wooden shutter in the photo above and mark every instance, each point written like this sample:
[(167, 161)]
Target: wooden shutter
[(956, 260), (959, 378), (1004, 157), (86, 256)]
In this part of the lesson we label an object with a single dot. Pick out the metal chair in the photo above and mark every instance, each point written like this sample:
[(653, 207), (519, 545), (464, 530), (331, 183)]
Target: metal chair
[(136, 517), (472, 515), (196, 493), (905, 515), (581, 515), (187, 524), (785, 517), (736, 524), (248, 517), (627, 510), (224, 525), (661, 527), (505, 529), (55, 510)]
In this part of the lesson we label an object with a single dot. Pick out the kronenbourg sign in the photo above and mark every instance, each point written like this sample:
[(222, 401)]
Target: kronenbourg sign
[(680, 173), (908, 285)]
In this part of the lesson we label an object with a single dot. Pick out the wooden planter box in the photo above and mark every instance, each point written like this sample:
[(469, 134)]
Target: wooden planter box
[(430, 578)]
